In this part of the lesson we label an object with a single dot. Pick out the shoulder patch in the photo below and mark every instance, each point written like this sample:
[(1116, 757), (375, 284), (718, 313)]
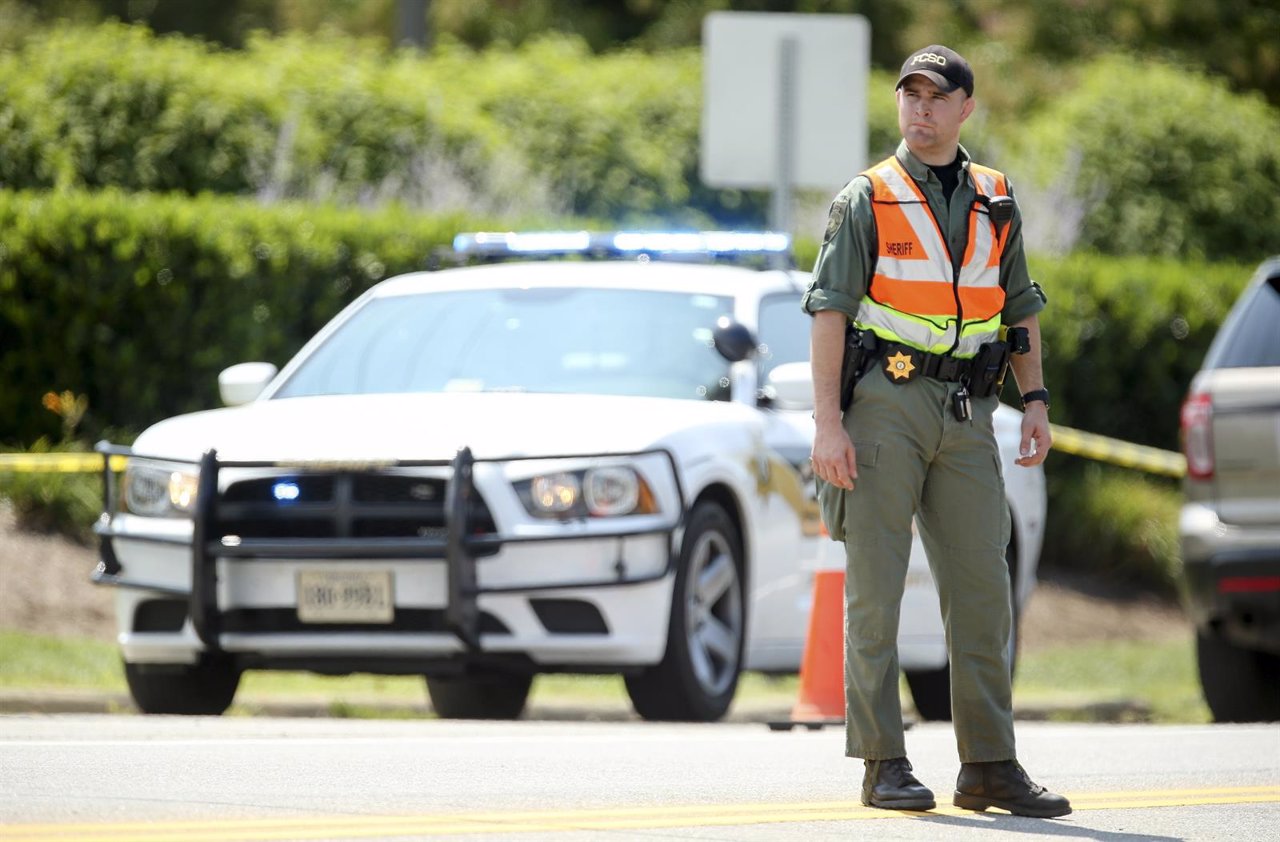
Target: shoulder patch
[(839, 209)]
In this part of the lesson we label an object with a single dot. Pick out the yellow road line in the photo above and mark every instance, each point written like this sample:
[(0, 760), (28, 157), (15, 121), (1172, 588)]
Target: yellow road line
[(57, 463), (543, 821)]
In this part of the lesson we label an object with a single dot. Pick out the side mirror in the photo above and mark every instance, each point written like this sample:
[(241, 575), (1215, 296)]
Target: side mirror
[(733, 340), (243, 382), (790, 386)]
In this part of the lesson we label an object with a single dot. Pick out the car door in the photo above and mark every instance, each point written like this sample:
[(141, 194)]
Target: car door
[(790, 541)]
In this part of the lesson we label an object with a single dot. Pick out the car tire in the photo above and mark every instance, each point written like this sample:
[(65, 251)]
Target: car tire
[(479, 696), (931, 689), (698, 676), (204, 689), (1240, 685)]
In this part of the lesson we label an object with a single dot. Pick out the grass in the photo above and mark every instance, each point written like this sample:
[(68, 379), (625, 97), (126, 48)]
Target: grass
[(1126, 681), (1153, 681)]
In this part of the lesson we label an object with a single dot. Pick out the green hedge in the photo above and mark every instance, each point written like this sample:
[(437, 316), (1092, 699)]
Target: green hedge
[(139, 300), (547, 127), (1112, 523), (1124, 336)]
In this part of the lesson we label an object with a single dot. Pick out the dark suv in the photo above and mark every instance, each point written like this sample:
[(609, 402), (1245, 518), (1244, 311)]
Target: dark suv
[(1230, 523)]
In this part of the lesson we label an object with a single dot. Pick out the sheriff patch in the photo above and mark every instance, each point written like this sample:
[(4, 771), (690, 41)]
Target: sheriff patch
[(839, 209)]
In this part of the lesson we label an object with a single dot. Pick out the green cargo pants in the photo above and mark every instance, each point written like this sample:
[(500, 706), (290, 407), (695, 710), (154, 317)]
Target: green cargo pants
[(915, 458)]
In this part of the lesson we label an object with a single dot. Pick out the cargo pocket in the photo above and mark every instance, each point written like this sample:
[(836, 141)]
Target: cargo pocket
[(832, 499)]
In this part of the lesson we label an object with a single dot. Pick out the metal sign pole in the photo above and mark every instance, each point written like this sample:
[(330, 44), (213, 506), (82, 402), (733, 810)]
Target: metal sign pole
[(785, 170)]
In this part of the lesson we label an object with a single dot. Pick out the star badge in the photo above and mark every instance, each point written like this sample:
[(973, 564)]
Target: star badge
[(900, 366)]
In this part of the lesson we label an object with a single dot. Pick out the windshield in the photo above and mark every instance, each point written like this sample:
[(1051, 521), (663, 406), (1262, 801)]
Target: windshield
[(585, 341)]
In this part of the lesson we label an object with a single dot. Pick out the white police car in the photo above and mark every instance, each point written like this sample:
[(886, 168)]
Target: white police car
[(484, 473)]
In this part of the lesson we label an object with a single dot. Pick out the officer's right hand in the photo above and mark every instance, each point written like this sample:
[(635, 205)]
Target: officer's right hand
[(834, 458)]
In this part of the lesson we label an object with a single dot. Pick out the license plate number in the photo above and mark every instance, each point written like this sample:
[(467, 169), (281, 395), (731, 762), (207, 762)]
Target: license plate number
[(345, 596)]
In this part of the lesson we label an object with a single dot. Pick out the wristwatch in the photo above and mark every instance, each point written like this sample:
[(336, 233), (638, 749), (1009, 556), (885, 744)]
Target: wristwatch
[(1036, 395)]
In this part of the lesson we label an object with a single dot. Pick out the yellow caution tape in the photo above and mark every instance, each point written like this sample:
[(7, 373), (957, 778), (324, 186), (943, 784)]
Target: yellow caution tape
[(1127, 455), (1065, 439), (57, 463)]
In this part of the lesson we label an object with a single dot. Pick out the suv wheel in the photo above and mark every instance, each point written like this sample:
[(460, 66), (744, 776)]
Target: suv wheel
[(1240, 685), (479, 696), (205, 689), (698, 676), (931, 689)]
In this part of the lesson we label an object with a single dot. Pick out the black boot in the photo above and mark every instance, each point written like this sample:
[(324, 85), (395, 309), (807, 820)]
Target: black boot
[(1005, 784), (890, 784)]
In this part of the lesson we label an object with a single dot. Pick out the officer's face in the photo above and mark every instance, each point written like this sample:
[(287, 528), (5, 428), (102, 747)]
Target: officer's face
[(930, 119)]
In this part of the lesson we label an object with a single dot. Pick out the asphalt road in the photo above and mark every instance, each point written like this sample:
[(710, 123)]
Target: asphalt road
[(111, 778)]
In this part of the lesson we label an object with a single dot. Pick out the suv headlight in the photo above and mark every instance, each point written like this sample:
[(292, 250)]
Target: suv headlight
[(611, 491), (156, 491)]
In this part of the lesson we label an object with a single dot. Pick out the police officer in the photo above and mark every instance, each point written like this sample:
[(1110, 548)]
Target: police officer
[(922, 257)]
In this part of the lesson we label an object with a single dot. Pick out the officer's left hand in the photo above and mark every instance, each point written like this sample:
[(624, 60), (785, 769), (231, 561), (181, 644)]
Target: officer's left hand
[(1036, 438)]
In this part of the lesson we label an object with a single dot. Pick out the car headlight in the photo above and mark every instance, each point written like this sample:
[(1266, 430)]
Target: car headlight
[(555, 494), (610, 491), (153, 491)]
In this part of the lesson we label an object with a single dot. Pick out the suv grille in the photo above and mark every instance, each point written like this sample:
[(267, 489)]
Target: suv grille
[(342, 505)]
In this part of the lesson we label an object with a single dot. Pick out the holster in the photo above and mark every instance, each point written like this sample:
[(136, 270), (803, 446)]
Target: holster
[(991, 363), (989, 367), (859, 348)]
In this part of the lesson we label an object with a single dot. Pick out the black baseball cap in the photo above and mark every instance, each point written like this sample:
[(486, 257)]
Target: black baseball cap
[(941, 65)]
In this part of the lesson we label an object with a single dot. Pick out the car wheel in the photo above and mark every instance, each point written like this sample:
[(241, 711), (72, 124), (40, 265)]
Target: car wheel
[(931, 689), (479, 696), (698, 675), (205, 689), (1240, 685)]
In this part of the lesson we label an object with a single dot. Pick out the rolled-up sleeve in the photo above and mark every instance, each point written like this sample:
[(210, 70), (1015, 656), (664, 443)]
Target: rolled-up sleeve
[(1022, 296), (842, 271)]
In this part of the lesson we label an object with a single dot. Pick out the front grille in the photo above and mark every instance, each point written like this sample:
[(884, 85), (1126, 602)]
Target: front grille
[(343, 504), (285, 620)]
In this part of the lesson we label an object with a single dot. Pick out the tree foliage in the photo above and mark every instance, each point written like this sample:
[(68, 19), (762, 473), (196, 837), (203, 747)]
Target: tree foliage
[(547, 127), (1140, 157), (1235, 39)]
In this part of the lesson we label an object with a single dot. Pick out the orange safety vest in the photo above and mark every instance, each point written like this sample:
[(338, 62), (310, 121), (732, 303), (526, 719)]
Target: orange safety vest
[(916, 295)]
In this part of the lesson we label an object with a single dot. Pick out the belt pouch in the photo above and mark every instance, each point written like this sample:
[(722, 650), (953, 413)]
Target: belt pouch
[(987, 373)]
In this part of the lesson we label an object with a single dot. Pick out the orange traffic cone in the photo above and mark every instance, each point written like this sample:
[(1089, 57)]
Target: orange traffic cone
[(821, 697)]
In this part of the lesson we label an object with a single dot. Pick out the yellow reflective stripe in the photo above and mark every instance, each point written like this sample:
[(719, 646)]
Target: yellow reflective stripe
[(920, 332), (894, 326)]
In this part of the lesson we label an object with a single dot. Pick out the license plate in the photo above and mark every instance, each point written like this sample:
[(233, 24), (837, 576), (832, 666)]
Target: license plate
[(345, 596)]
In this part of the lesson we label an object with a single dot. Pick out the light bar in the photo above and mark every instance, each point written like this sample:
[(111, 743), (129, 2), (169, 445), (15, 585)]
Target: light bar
[(526, 243), (624, 242), (715, 242)]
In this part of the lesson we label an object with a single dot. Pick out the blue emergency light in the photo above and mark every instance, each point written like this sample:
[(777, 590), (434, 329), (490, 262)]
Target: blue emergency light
[(713, 243), (286, 491)]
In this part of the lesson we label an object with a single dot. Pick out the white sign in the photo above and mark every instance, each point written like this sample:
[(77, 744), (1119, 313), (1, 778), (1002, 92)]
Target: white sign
[(784, 99)]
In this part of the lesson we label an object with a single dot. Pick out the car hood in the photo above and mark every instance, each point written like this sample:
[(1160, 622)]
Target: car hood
[(436, 426)]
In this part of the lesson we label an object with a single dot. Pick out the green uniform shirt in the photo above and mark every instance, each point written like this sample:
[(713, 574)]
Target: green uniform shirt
[(847, 258)]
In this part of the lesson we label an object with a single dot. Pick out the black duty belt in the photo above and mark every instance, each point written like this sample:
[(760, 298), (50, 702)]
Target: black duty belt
[(902, 363)]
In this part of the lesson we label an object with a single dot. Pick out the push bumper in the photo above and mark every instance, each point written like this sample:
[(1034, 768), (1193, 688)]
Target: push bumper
[(465, 605)]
